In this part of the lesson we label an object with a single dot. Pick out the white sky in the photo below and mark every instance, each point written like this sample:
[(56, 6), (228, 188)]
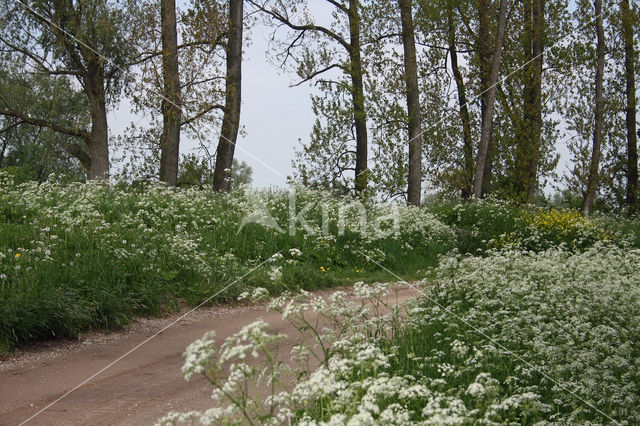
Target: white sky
[(274, 115)]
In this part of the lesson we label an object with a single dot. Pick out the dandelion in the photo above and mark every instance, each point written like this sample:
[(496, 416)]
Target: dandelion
[(18, 255)]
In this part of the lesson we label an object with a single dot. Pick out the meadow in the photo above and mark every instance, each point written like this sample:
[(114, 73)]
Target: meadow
[(529, 314), (512, 337), (80, 256)]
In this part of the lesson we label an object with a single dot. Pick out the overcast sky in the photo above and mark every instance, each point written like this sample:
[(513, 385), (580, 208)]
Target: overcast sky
[(274, 115)]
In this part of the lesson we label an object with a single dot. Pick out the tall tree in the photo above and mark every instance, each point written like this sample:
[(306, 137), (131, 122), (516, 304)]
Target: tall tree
[(592, 180), (528, 140), (488, 107), (630, 110), (359, 113), (40, 151), (231, 119), (536, 95), (83, 39), (463, 108), (312, 63), (413, 103), (485, 51), (177, 104), (171, 110)]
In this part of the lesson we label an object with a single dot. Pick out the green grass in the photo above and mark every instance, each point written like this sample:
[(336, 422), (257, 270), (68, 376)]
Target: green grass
[(511, 338), (80, 256), (478, 223), (75, 257)]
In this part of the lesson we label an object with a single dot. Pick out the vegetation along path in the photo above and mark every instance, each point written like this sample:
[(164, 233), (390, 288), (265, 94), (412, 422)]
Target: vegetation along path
[(138, 389)]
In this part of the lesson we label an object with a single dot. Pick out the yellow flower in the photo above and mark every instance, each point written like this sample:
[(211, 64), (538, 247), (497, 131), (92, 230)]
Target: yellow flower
[(18, 255)]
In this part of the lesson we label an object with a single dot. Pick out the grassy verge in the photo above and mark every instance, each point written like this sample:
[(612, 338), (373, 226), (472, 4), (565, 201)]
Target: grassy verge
[(514, 337), (80, 256), (485, 225)]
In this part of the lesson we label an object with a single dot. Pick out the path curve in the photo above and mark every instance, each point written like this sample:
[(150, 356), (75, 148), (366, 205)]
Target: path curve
[(138, 389)]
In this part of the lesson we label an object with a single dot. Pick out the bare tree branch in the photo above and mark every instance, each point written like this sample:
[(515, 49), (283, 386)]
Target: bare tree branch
[(76, 151), (339, 6), (194, 82), (312, 27), (11, 126), (38, 60), (196, 43), (314, 74), (45, 123), (201, 114)]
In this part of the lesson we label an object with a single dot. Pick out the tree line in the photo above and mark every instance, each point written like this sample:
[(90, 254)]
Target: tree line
[(471, 97)]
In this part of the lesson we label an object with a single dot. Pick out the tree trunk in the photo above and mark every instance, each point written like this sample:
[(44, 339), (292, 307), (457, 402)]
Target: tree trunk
[(528, 141), (357, 94), (484, 52), (171, 112), (5, 143), (632, 141), (592, 180), (463, 110), (524, 137), (488, 167), (98, 139), (487, 117), (231, 119), (98, 143), (413, 104), (536, 117)]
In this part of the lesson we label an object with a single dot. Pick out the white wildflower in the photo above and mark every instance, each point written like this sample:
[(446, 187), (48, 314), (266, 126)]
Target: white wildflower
[(198, 355), (275, 273), (475, 389), (295, 252), (256, 295)]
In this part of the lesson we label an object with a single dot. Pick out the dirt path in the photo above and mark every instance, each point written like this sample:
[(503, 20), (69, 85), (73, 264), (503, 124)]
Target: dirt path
[(138, 389)]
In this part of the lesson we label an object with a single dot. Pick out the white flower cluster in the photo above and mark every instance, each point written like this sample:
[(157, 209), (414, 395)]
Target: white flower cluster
[(558, 328), (256, 295)]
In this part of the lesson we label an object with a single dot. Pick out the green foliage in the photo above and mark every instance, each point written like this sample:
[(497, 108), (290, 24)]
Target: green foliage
[(37, 151), (77, 256), (485, 225), (477, 223), (539, 329), (195, 171), (515, 337)]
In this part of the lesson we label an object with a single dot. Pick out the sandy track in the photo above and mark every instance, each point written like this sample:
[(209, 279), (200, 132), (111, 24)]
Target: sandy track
[(138, 389)]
